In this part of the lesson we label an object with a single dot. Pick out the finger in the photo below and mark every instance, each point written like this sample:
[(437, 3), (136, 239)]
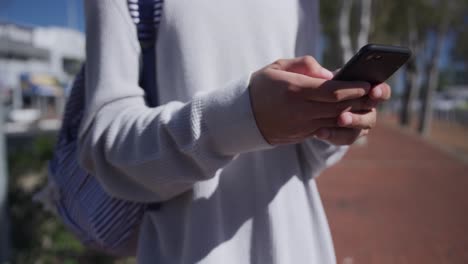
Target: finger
[(363, 104), (364, 132), (334, 91), (306, 65), (339, 136), (306, 132), (381, 92), (323, 123), (307, 129), (365, 120), (334, 110), (321, 90), (336, 71)]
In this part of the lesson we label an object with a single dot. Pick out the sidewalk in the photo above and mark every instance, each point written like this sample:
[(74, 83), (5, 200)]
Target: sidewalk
[(398, 200)]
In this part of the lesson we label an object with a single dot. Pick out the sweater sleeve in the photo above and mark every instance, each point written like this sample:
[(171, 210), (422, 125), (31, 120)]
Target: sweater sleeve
[(317, 155), (152, 154)]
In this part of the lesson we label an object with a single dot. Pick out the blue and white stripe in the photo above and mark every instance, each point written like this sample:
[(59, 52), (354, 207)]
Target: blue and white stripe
[(146, 14), (99, 221)]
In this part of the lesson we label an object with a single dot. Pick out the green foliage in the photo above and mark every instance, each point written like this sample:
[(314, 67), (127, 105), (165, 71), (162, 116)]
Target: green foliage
[(39, 236), (394, 20), (29, 156)]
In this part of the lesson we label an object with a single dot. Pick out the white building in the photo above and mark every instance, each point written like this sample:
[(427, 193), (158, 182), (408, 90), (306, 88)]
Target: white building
[(54, 51), (36, 64), (66, 48)]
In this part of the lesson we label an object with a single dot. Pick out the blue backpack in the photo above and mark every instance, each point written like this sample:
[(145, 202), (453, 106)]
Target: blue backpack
[(98, 220)]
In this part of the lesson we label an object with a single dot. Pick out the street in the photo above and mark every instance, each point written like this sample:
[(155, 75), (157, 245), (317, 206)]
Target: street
[(397, 199)]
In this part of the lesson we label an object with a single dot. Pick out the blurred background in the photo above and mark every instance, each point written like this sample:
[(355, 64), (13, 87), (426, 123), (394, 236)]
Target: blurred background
[(399, 196)]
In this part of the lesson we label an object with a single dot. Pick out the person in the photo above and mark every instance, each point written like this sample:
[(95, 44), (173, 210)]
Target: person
[(233, 150)]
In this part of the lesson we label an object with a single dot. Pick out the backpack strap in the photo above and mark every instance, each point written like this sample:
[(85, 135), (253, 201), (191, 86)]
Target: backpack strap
[(146, 15)]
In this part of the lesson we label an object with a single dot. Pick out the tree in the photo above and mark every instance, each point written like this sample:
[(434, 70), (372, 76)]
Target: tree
[(329, 13), (346, 27), (432, 77), (405, 23), (422, 25), (345, 34), (448, 15), (460, 53)]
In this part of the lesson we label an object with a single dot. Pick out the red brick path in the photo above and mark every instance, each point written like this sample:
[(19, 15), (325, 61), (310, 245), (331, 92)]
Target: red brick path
[(397, 200)]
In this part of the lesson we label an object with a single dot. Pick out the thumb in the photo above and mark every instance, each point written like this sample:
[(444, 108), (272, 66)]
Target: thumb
[(306, 65)]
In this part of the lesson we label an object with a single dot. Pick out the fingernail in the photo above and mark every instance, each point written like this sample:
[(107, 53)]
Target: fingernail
[(346, 119), (323, 133), (377, 92), (327, 74)]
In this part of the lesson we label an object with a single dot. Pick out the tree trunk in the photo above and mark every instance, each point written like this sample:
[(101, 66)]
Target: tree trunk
[(409, 96), (432, 81), (411, 78), (5, 249), (343, 29), (366, 11)]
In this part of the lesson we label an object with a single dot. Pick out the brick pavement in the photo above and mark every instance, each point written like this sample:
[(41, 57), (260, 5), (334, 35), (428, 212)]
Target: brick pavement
[(397, 200)]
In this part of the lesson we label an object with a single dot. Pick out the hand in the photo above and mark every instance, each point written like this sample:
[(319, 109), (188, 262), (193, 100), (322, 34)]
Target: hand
[(292, 99), (356, 124)]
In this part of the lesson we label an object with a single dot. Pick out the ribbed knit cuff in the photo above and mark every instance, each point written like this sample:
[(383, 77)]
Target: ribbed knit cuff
[(229, 118)]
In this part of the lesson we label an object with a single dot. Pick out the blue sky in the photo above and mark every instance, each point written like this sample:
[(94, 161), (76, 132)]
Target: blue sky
[(43, 12)]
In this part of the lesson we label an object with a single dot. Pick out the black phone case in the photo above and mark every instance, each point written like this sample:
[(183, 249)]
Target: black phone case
[(374, 64)]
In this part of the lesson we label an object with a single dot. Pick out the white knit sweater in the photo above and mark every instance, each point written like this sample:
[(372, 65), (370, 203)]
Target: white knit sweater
[(229, 196)]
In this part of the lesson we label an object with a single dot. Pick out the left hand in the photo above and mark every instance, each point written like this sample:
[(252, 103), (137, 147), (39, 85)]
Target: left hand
[(352, 125)]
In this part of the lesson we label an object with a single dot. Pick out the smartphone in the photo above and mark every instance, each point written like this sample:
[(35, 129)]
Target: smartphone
[(374, 64)]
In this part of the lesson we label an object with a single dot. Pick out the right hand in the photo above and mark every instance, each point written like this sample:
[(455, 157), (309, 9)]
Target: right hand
[(293, 98)]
